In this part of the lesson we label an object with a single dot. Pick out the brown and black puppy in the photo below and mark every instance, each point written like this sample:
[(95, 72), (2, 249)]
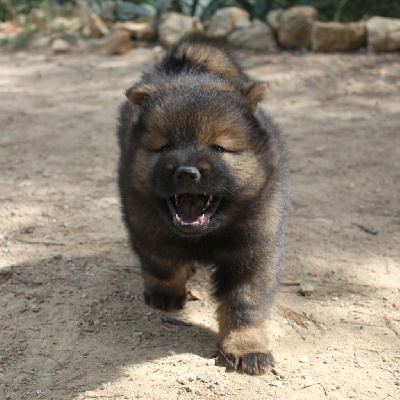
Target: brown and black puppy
[(202, 178)]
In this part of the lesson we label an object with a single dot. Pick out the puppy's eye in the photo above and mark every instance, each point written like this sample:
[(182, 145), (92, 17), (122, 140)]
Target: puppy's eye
[(218, 149), (165, 148)]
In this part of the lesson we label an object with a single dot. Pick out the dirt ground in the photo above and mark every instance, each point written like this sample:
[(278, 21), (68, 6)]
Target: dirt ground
[(72, 322)]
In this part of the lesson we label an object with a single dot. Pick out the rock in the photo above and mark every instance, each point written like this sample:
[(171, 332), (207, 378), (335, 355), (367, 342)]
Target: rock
[(119, 42), (5, 271), (10, 28), (277, 383), (141, 30), (182, 381), (307, 289), (223, 21), (97, 26), (194, 294), (61, 24), (335, 36), (60, 46), (383, 34), (295, 26), (41, 42), (72, 38), (206, 378), (242, 23), (258, 36), (175, 26), (37, 17), (274, 18)]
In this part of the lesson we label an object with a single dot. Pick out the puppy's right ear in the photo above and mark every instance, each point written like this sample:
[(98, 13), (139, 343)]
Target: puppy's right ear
[(138, 95)]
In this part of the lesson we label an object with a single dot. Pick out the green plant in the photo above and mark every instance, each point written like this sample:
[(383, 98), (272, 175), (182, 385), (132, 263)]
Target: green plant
[(22, 40), (130, 10)]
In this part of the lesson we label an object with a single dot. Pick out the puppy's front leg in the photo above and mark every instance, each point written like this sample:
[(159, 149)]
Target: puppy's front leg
[(165, 286), (245, 295)]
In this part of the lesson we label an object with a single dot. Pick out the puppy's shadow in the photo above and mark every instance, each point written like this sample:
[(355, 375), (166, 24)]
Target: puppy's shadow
[(85, 318)]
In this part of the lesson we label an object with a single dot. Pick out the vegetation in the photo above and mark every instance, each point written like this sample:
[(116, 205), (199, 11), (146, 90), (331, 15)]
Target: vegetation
[(330, 10)]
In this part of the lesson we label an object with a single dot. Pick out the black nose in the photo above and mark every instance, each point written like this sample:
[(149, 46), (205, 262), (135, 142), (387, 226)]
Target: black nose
[(187, 175)]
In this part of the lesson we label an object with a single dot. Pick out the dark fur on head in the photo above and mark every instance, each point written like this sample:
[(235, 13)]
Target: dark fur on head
[(203, 178)]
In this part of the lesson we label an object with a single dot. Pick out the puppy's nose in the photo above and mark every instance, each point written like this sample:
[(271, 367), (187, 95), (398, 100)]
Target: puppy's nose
[(187, 175)]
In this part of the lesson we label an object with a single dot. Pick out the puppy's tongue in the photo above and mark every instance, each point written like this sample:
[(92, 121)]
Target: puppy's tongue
[(190, 206)]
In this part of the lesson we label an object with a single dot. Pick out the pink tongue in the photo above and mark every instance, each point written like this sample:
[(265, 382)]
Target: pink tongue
[(190, 206)]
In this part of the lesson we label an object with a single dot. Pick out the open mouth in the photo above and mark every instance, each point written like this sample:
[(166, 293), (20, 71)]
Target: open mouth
[(192, 210)]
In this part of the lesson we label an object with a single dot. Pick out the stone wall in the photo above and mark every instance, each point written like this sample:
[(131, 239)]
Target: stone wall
[(293, 28)]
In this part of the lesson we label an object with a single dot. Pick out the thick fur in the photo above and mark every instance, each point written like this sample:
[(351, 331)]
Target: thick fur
[(192, 128)]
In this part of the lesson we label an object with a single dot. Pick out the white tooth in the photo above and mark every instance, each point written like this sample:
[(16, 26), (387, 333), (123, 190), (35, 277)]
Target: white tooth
[(176, 198), (178, 218)]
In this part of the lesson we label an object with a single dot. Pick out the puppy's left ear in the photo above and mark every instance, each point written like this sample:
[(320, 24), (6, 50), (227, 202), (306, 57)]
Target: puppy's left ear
[(137, 95), (254, 92)]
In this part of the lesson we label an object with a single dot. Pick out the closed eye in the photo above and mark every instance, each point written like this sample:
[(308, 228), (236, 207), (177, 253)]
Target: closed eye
[(166, 148), (218, 149)]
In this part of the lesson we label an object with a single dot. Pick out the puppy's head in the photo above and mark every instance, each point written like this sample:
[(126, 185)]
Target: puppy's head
[(198, 150)]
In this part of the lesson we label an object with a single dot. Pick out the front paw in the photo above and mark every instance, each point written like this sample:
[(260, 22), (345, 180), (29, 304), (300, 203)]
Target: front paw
[(250, 363), (163, 301)]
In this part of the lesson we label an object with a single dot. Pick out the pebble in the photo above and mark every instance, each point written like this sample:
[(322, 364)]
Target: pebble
[(182, 381), (60, 46), (277, 383), (205, 378), (307, 289), (5, 271), (191, 377), (304, 359)]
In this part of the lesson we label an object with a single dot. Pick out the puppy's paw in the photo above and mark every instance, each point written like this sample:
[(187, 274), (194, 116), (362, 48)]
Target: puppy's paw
[(250, 363), (246, 350), (163, 301)]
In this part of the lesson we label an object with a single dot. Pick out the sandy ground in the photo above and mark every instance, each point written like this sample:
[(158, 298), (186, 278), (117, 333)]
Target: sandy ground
[(72, 322)]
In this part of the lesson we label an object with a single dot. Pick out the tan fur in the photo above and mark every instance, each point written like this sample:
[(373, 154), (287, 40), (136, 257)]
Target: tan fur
[(213, 59), (173, 286), (255, 92), (138, 95)]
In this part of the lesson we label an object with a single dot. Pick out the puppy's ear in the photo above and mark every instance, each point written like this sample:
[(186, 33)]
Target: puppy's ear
[(138, 95), (254, 93)]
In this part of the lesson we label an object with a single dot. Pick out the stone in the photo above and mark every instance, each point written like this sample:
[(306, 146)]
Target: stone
[(141, 30), (10, 28), (37, 17), (175, 26), (60, 46), (61, 24), (259, 36), (223, 21), (274, 18), (119, 42), (307, 289), (73, 38), (295, 27), (97, 26), (335, 36), (383, 34), (242, 23)]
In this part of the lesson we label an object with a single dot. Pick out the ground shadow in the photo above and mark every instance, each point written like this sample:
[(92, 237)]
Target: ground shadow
[(64, 309)]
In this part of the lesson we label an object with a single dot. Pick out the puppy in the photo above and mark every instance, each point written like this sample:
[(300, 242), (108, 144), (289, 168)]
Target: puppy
[(203, 178)]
